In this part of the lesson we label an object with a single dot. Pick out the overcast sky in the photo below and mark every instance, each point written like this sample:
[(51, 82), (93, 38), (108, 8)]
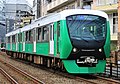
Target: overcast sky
[(30, 2)]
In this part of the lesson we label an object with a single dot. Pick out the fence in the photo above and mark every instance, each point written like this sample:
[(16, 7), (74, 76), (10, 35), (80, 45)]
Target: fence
[(112, 70)]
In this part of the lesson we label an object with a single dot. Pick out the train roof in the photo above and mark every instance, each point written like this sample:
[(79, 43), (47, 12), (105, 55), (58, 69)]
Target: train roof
[(50, 18)]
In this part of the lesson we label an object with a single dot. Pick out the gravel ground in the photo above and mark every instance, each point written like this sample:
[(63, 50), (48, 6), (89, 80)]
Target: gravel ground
[(45, 76)]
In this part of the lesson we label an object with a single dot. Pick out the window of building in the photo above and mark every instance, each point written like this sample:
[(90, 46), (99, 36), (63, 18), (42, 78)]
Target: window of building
[(111, 2), (101, 2), (73, 6), (78, 3), (115, 1), (49, 1), (115, 22), (66, 7)]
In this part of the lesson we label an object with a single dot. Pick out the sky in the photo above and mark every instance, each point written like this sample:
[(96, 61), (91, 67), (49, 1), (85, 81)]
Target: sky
[(30, 2)]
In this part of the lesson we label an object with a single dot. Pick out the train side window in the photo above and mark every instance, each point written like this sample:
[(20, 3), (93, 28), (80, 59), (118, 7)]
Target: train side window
[(20, 37), (51, 32), (30, 36), (9, 39), (13, 39)]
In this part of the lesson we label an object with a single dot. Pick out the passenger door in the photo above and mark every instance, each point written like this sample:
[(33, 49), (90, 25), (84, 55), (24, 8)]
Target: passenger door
[(34, 40), (51, 39), (24, 38)]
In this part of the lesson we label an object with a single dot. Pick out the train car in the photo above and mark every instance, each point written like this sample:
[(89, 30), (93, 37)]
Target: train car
[(75, 40), (2, 46)]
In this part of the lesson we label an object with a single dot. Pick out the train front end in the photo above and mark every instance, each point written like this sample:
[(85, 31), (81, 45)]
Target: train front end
[(90, 40)]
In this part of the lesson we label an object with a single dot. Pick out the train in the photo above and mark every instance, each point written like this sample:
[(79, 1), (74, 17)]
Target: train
[(74, 40), (2, 46)]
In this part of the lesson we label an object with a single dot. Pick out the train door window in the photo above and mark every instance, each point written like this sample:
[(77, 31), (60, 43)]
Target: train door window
[(58, 35), (39, 34), (58, 28), (51, 32)]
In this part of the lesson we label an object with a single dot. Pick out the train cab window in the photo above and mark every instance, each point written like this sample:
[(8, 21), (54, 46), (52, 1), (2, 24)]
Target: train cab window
[(45, 34)]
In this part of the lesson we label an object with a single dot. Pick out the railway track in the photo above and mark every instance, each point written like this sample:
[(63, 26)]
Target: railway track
[(9, 77), (92, 79), (110, 81), (31, 78)]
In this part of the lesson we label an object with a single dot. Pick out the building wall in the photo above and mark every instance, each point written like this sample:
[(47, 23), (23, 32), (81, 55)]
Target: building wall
[(14, 10), (110, 7), (51, 6), (36, 8), (2, 11), (2, 20)]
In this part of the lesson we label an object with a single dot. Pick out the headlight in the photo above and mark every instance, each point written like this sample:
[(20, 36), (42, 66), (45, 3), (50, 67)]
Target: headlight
[(100, 50), (74, 49)]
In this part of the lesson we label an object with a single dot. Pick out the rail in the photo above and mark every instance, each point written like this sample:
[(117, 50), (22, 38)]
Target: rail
[(35, 80), (10, 78)]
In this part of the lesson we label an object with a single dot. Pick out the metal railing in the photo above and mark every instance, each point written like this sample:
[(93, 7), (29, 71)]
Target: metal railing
[(112, 70)]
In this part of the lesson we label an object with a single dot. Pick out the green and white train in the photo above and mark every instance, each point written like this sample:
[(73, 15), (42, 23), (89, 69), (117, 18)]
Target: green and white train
[(75, 40)]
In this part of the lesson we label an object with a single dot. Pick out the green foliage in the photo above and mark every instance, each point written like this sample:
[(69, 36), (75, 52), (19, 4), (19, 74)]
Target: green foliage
[(113, 46)]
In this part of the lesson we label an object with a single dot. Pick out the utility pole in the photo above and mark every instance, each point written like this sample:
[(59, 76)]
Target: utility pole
[(119, 25), (118, 28)]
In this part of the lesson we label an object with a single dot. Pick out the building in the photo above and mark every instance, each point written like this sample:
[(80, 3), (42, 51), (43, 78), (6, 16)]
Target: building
[(51, 6), (37, 8), (2, 13), (110, 7), (14, 10), (2, 21)]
